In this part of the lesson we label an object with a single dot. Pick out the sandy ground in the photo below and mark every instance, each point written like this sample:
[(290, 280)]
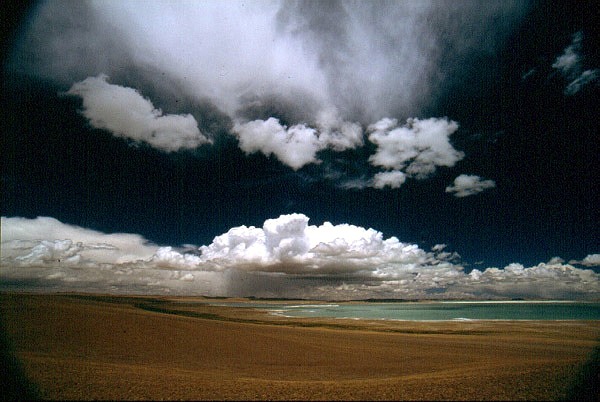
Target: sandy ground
[(103, 347)]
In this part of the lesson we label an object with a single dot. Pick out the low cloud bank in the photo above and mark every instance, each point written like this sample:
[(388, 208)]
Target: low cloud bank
[(45, 240), (286, 257)]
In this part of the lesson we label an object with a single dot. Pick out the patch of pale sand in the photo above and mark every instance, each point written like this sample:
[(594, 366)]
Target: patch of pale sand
[(82, 347)]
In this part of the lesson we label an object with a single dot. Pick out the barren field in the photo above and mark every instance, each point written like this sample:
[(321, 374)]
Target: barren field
[(110, 347)]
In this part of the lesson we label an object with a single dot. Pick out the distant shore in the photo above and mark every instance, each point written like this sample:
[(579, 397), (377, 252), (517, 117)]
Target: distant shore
[(78, 346)]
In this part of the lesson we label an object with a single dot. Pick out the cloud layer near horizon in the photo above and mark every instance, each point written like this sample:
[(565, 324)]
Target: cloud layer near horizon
[(287, 257)]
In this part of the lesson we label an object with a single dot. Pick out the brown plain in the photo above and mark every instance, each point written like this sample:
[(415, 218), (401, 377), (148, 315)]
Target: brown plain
[(108, 347)]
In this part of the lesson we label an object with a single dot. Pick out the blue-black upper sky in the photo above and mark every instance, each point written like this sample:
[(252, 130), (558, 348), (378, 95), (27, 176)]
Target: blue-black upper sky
[(414, 95)]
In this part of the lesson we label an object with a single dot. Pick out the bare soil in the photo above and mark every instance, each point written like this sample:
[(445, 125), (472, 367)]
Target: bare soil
[(111, 347)]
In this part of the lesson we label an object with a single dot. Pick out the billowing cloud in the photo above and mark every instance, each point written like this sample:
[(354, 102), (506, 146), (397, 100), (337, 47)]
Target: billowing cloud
[(294, 79), (366, 59), (288, 244), (286, 257), (297, 146), (416, 148), (570, 66), (466, 185), (126, 113), (336, 133)]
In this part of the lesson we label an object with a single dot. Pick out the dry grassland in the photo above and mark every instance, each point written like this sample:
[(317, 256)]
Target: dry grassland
[(102, 347)]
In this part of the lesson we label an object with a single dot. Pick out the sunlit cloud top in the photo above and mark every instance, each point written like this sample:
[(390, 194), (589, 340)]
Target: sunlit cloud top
[(287, 257)]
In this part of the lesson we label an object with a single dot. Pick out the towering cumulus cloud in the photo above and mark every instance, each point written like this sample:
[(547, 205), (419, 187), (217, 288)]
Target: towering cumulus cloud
[(286, 257), (288, 244)]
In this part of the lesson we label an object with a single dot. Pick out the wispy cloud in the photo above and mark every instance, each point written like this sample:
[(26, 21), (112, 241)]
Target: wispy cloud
[(286, 257), (310, 55), (587, 77), (570, 66), (466, 185)]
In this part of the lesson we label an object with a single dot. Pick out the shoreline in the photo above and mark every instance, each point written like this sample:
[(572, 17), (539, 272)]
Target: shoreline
[(276, 300)]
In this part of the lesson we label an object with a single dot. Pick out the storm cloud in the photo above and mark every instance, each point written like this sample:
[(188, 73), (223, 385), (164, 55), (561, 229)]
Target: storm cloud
[(368, 60), (292, 78)]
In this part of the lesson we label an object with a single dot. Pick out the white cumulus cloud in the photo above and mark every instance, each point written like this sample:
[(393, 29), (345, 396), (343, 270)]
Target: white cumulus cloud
[(393, 179), (289, 245), (466, 185), (126, 113), (297, 146), (417, 148), (256, 59), (286, 257), (337, 133)]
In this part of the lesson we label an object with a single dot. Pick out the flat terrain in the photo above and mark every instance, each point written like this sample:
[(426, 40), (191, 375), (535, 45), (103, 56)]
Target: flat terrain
[(110, 347)]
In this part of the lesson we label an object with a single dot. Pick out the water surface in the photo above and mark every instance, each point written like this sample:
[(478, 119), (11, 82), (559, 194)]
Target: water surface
[(439, 311)]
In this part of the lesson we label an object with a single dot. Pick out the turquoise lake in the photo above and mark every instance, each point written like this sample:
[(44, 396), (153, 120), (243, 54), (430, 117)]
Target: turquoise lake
[(438, 311)]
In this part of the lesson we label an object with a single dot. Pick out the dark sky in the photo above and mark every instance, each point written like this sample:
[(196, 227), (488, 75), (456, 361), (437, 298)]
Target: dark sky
[(520, 125)]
